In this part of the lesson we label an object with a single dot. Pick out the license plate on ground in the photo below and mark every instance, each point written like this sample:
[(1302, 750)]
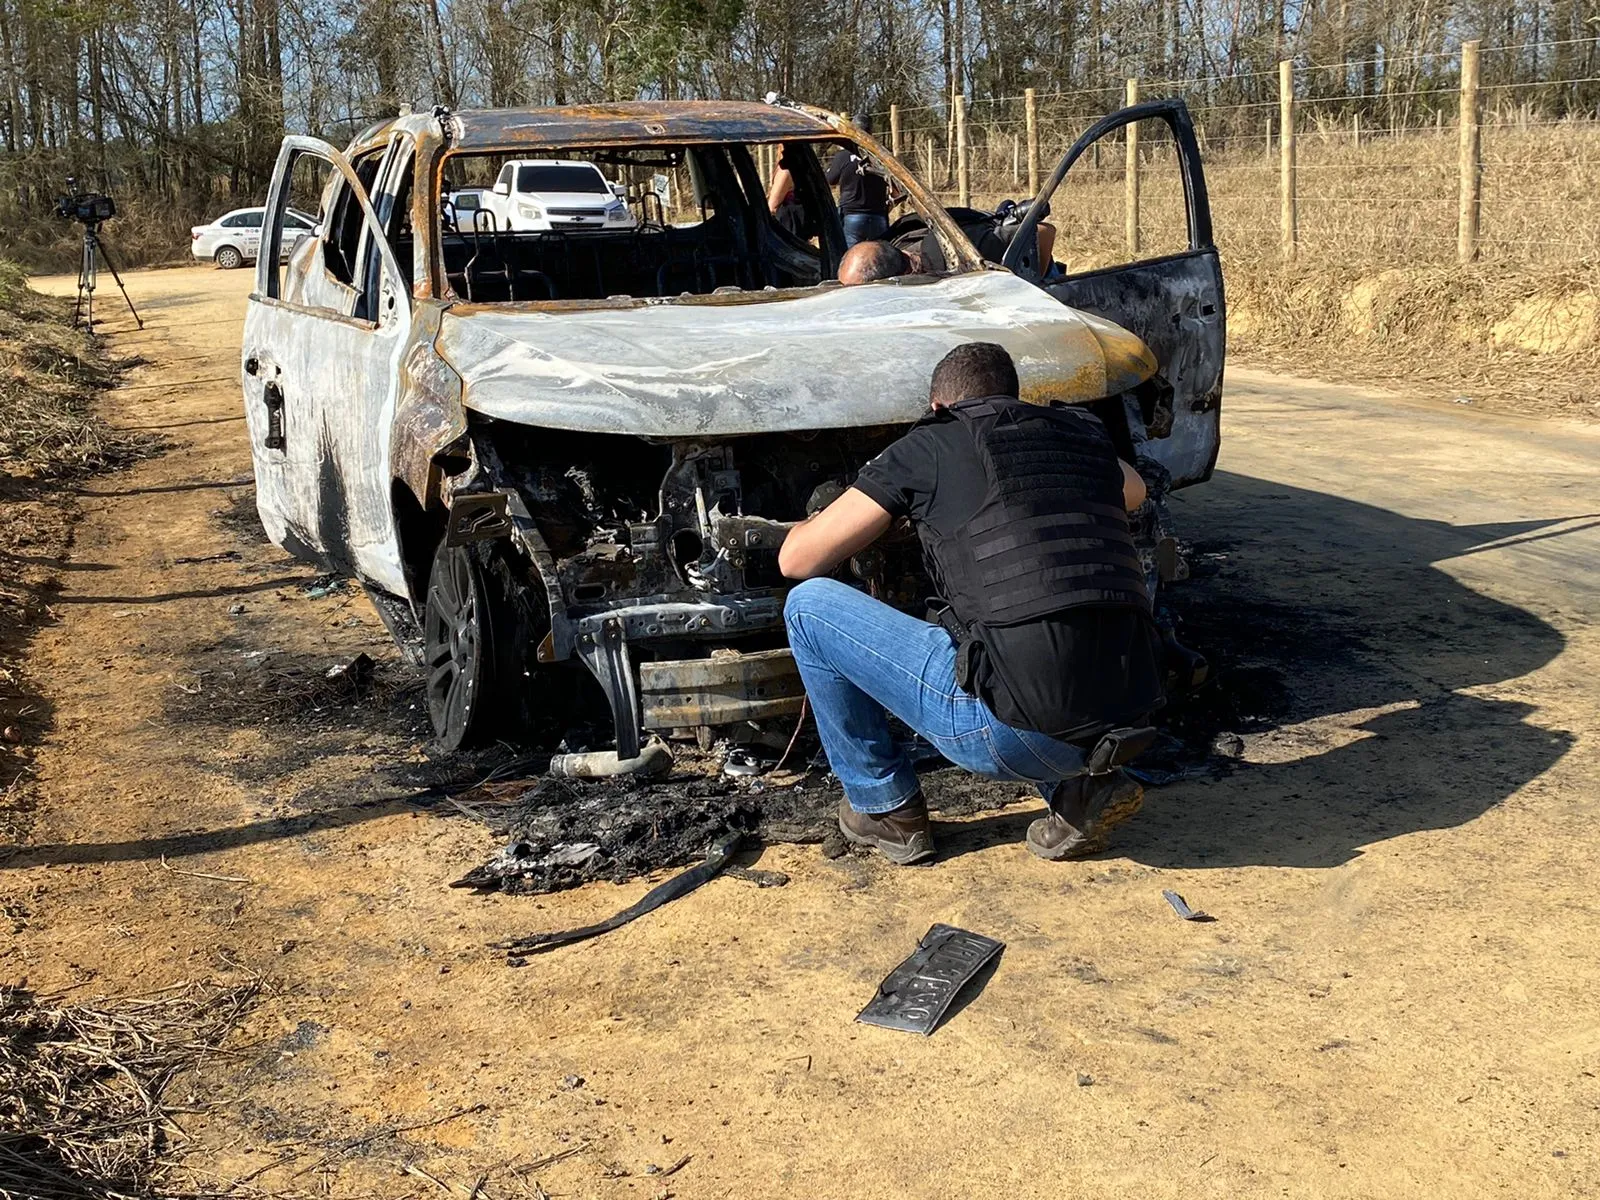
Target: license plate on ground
[(918, 993)]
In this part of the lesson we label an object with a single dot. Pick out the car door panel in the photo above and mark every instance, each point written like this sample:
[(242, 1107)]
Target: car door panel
[(1175, 303), (320, 401)]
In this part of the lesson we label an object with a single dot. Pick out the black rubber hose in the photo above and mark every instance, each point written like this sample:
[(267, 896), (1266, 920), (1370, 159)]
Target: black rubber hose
[(679, 885)]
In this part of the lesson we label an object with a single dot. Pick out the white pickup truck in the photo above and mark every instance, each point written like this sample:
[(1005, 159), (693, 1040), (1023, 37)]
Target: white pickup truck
[(548, 193)]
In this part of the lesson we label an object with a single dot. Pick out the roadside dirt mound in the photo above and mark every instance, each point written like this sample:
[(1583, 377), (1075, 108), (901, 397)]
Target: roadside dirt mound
[(1489, 334)]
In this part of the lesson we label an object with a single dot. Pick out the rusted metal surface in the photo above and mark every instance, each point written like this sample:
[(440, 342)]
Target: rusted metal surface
[(829, 358), (633, 123), (1178, 302), (721, 690), (429, 416)]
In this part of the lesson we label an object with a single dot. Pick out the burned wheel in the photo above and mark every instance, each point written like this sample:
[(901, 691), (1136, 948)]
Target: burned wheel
[(229, 258), (481, 625)]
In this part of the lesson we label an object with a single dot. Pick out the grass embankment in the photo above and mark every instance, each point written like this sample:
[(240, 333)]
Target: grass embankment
[(50, 435), (1498, 336)]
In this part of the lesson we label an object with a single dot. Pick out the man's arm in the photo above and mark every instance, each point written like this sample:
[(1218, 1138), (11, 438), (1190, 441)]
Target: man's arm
[(838, 166), (782, 185), (820, 543), (1133, 489)]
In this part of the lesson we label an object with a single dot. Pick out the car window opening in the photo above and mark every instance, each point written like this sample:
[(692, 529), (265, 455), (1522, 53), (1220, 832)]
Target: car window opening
[(641, 222)]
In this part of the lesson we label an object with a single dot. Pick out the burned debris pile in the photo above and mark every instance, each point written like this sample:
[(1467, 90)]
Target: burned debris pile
[(561, 833)]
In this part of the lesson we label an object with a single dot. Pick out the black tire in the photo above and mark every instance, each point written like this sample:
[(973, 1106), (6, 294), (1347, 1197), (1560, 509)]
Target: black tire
[(482, 624), (229, 258)]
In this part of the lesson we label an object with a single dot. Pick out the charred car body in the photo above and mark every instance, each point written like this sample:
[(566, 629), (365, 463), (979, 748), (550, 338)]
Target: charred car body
[(571, 454)]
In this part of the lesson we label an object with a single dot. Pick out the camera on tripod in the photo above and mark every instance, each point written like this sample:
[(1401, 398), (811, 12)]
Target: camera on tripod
[(86, 208), (89, 209)]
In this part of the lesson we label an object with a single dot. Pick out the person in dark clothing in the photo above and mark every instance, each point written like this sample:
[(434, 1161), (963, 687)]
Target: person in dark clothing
[(1044, 639), (863, 192)]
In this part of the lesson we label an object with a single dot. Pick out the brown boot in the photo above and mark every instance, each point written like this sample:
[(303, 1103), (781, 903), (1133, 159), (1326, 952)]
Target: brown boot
[(1082, 814), (903, 836)]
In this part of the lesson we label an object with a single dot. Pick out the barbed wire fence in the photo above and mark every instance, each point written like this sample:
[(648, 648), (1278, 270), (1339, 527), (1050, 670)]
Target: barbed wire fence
[(1450, 159)]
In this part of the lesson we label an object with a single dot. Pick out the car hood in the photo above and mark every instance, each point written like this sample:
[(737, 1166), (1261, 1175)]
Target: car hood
[(826, 359)]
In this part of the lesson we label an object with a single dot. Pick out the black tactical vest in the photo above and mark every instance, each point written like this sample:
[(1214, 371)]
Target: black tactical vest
[(1051, 533)]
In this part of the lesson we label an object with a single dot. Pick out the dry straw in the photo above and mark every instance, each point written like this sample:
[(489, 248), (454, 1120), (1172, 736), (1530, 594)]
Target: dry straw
[(84, 1107)]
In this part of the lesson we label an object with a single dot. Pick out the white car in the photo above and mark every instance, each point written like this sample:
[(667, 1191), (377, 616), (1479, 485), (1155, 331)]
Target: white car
[(467, 207), (234, 238), (554, 193)]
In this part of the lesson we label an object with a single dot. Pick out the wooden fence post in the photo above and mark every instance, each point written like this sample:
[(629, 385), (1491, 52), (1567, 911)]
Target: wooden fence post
[(1130, 195), (1355, 129), (894, 130), (1470, 163), (1031, 107), (1289, 233), (963, 179)]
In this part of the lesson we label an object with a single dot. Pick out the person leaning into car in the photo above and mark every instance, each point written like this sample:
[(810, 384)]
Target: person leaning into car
[(1044, 640)]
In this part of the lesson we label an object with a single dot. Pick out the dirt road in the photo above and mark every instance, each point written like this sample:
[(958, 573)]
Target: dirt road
[(1396, 996)]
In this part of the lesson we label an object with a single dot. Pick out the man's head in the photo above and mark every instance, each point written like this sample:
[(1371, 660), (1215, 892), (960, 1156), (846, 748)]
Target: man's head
[(866, 262), (862, 121), (972, 371)]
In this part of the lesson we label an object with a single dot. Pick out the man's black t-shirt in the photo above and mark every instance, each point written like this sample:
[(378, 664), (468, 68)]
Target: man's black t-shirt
[(861, 189), (1108, 661)]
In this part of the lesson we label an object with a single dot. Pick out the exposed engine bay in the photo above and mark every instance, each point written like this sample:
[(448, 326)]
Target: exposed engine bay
[(658, 560)]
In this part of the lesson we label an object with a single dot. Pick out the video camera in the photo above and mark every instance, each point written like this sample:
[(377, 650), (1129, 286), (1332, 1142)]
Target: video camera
[(86, 208)]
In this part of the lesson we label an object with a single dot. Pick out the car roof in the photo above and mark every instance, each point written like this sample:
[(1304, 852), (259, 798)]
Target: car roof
[(635, 122)]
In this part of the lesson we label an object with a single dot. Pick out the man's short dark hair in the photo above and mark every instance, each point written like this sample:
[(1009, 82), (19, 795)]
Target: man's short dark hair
[(972, 371)]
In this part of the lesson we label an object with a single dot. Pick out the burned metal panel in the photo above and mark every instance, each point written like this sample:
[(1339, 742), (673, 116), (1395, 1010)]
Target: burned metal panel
[(428, 411), (830, 358), (327, 489), (1176, 304), (723, 689), (632, 123)]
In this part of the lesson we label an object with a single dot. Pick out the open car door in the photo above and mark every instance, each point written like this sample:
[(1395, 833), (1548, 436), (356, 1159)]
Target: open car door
[(320, 378), (1174, 302)]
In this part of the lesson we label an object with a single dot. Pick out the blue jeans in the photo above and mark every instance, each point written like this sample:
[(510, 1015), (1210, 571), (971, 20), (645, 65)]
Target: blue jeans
[(863, 227), (862, 660)]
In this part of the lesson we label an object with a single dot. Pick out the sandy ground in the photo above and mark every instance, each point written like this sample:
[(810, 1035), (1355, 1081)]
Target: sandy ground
[(1396, 997)]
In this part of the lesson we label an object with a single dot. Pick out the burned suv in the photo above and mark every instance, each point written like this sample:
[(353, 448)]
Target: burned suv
[(566, 457)]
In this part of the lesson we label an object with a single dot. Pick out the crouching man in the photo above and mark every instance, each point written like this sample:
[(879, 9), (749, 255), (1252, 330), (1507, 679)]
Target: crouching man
[(1044, 640)]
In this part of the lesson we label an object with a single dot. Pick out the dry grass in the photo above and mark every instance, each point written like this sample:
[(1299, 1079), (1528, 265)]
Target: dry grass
[(85, 1112), (146, 230), (1389, 200), (49, 376), (1375, 293), (1498, 336)]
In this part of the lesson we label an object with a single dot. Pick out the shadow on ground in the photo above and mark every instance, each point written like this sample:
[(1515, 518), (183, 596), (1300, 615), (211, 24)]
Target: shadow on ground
[(1312, 606), (1309, 606)]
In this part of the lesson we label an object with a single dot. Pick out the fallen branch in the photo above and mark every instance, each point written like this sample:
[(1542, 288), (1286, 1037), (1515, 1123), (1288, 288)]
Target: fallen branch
[(548, 1159), (166, 866)]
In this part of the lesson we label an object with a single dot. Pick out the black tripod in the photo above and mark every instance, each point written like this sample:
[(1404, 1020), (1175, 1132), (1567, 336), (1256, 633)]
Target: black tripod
[(88, 276)]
